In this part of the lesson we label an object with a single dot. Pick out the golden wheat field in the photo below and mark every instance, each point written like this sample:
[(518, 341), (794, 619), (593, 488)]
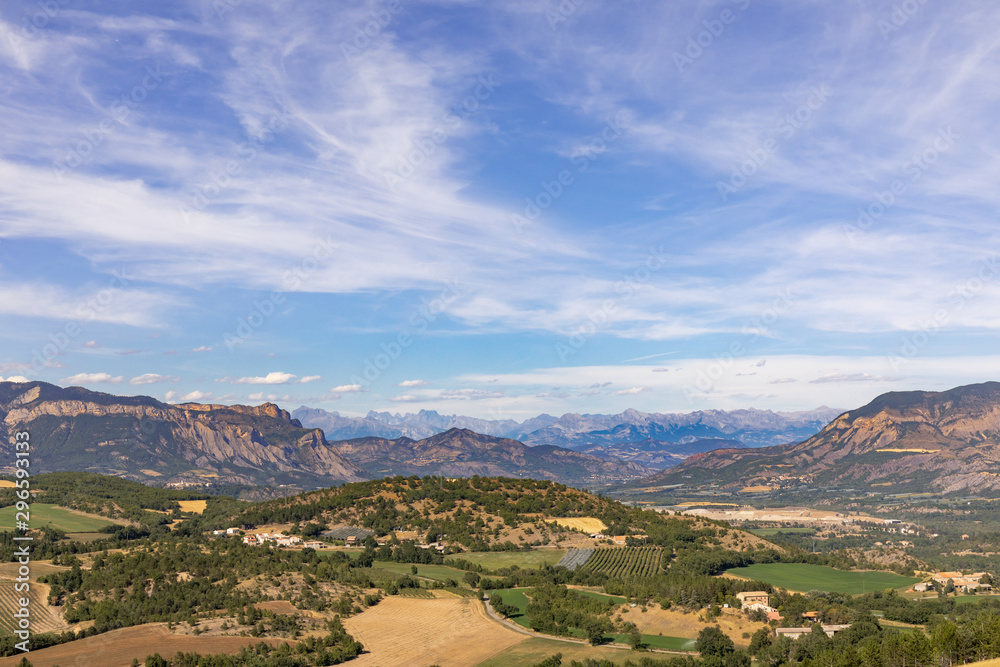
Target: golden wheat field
[(450, 632), (587, 524)]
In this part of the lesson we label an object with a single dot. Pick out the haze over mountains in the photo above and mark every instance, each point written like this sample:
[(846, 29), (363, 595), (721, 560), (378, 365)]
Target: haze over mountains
[(753, 428), (905, 441)]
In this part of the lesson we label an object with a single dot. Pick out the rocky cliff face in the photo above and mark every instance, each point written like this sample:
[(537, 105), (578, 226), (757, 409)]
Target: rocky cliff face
[(942, 441), (143, 439)]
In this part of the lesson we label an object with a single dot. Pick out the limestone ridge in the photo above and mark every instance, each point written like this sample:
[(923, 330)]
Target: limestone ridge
[(914, 440), (140, 438)]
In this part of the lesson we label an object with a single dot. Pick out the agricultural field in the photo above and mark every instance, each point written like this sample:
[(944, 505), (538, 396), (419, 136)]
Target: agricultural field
[(194, 506), (119, 647), (449, 632), (625, 561), (586, 523), (575, 558), (44, 514), (435, 572), (495, 560), (43, 617), (803, 577)]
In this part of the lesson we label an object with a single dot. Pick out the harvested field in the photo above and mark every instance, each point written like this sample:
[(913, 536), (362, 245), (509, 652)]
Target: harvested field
[(282, 607), (43, 617), (196, 506), (119, 647), (587, 524), (7, 484), (448, 632), (38, 569)]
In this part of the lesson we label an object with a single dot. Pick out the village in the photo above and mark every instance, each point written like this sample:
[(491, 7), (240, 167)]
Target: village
[(346, 536)]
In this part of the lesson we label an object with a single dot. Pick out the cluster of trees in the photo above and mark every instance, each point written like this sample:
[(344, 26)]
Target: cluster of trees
[(556, 610)]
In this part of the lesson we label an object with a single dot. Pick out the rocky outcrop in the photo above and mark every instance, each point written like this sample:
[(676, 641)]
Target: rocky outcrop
[(141, 438)]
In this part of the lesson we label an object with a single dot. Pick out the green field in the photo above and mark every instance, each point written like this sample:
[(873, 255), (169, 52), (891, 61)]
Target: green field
[(516, 597), (494, 560), (804, 577), (44, 514), (434, 572)]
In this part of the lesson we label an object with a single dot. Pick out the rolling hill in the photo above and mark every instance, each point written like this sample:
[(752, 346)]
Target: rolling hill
[(463, 453)]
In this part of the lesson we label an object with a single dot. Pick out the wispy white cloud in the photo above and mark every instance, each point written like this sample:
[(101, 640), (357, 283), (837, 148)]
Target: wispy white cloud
[(274, 377), (92, 378), (413, 383), (151, 378)]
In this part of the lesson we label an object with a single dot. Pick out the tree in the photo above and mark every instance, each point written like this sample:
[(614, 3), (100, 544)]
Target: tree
[(713, 641)]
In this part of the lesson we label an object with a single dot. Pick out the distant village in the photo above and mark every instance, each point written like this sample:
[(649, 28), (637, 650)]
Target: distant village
[(348, 535)]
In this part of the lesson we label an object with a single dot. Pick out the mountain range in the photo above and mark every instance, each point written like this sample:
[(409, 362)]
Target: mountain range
[(902, 441), (141, 438), (753, 428)]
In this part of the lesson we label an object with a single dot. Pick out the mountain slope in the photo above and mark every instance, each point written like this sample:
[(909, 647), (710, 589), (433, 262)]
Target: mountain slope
[(140, 438), (463, 453), (915, 440)]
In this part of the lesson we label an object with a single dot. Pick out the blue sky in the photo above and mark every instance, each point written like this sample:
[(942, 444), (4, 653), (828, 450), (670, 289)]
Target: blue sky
[(500, 209)]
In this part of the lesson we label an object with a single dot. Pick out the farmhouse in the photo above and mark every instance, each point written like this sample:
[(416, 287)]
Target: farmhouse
[(753, 597), (963, 582)]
